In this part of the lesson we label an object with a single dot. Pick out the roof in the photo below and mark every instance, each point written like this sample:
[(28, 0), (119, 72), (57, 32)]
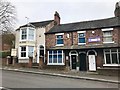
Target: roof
[(86, 25), (37, 24)]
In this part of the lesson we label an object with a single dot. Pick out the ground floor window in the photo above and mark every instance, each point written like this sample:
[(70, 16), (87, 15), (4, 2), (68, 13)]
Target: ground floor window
[(112, 56), (26, 51), (55, 57)]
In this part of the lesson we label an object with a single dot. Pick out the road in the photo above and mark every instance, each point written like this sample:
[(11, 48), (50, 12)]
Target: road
[(11, 79)]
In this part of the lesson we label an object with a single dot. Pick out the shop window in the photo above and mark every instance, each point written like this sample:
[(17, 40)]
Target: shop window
[(112, 56), (55, 57)]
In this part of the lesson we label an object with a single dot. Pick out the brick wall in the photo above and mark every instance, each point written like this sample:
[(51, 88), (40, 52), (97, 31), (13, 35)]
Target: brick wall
[(97, 33), (50, 40), (68, 40), (73, 38), (116, 35)]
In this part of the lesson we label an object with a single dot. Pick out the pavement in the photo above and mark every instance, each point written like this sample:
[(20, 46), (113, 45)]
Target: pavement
[(94, 76)]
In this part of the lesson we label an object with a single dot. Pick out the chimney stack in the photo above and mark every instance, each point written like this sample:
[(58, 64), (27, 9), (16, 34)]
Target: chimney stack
[(117, 9), (56, 18)]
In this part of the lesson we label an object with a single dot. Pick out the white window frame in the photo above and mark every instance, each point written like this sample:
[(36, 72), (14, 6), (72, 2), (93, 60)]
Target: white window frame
[(21, 34), (84, 36), (27, 38), (104, 30), (27, 57), (57, 59), (105, 64), (56, 39)]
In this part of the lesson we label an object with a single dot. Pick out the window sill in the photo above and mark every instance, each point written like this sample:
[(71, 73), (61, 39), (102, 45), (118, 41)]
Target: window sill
[(25, 40), (81, 43), (111, 64), (108, 42), (23, 58), (56, 64), (59, 45)]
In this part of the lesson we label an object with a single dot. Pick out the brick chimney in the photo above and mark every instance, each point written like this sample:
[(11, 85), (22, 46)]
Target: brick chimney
[(56, 18), (117, 9)]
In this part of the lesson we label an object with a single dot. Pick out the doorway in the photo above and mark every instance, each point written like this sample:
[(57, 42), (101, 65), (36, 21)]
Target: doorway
[(92, 60), (73, 59), (82, 62)]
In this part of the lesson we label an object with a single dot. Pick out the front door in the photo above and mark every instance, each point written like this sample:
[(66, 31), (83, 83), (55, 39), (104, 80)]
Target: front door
[(73, 58), (92, 63), (83, 66)]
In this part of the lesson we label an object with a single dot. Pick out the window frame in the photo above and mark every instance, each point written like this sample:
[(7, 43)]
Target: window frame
[(27, 34), (27, 52), (58, 34), (81, 32), (108, 36), (52, 63), (110, 53)]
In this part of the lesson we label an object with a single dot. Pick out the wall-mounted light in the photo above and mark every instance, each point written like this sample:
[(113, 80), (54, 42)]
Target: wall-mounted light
[(93, 32)]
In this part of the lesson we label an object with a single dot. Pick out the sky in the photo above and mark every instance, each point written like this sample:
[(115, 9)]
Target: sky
[(69, 10)]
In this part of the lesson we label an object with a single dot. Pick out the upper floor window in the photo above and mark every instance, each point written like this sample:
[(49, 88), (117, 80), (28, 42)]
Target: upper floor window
[(27, 33), (31, 34), (107, 35), (59, 39), (24, 34), (81, 37)]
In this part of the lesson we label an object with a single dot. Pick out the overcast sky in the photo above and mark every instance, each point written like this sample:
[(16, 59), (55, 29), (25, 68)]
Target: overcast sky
[(69, 10)]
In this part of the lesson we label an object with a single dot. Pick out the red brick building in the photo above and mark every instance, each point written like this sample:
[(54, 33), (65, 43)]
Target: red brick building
[(85, 46)]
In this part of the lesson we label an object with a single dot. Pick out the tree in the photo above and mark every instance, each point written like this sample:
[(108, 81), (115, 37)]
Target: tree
[(7, 16)]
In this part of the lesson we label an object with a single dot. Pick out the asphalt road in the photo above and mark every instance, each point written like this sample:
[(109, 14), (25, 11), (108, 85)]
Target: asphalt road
[(11, 79)]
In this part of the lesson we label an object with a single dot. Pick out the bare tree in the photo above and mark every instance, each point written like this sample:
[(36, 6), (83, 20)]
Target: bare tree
[(7, 16)]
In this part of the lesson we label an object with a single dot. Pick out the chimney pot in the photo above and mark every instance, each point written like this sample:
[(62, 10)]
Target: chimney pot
[(56, 18)]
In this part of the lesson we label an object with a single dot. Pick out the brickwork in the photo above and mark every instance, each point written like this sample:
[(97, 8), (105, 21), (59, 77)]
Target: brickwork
[(117, 35), (68, 39), (48, 27), (97, 33), (50, 40), (73, 38)]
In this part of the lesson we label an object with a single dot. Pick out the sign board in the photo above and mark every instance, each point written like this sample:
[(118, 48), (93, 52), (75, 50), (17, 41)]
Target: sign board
[(95, 39), (14, 52)]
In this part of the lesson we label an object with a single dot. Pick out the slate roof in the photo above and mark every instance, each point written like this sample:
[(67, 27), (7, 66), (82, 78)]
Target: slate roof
[(86, 25), (37, 24)]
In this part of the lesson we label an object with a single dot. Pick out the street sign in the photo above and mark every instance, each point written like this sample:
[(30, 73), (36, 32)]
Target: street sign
[(14, 52)]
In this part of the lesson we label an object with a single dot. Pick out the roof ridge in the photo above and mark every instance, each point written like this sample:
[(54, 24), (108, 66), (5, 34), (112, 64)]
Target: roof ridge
[(89, 21), (41, 21)]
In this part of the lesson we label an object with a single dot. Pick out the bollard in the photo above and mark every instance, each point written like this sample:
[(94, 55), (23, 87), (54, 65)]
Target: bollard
[(30, 62), (8, 58), (14, 60), (41, 62)]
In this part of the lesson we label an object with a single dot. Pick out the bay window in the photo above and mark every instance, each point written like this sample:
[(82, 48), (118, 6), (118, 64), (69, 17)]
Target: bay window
[(27, 33), (23, 51), (26, 51)]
